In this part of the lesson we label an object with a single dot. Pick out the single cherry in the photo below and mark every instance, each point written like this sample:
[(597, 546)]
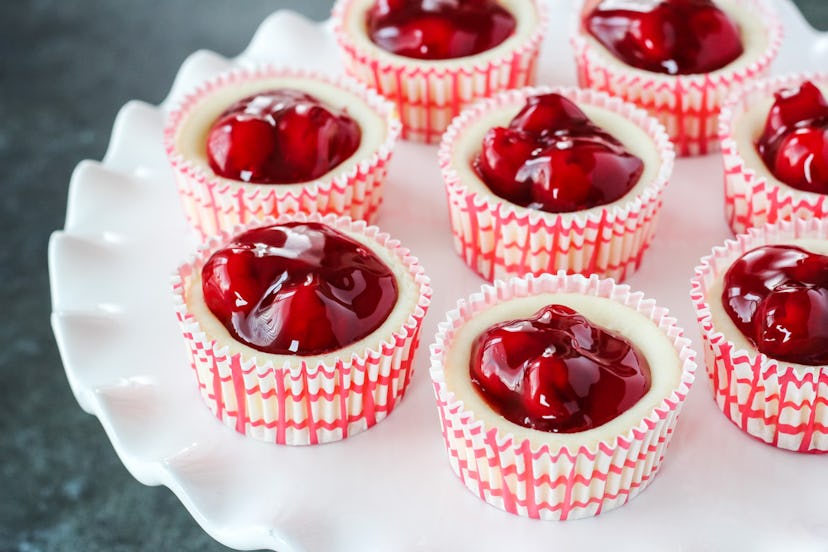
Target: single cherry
[(794, 143), (777, 295), (439, 29), (553, 158), (298, 288), (548, 113), (280, 137), (557, 372), (677, 37), (501, 158)]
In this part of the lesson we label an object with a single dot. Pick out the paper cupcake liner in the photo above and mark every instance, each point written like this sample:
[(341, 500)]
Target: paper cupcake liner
[(428, 95), (687, 105), (213, 204), (498, 239), (753, 198), (555, 482), (302, 401), (780, 404)]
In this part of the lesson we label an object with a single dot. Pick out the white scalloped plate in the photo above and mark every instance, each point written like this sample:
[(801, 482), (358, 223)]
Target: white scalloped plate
[(390, 488)]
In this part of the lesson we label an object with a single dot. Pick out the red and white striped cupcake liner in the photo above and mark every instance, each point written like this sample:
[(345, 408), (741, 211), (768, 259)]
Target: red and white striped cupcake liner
[(213, 204), (498, 239), (303, 400), (555, 481), (687, 105), (753, 197), (781, 404), (429, 94)]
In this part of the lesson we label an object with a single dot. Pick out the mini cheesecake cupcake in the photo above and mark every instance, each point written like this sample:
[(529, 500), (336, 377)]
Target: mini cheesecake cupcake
[(434, 58), (546, 179), (270, 141), (558, 395), (302, 331), (762, 304), (775, 151), (678, 59)]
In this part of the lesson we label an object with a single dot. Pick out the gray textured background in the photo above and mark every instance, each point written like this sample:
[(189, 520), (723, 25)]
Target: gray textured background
[(65, 70)]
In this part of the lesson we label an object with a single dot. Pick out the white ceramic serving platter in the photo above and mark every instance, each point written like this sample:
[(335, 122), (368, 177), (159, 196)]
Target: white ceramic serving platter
[(391, 488)]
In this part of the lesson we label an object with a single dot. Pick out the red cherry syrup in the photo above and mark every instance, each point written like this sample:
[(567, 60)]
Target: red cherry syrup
[(551, 157), (439, 29), (794, 143), (777, 295), (676, 37), (557, 372), (298, 288), (280, 137)]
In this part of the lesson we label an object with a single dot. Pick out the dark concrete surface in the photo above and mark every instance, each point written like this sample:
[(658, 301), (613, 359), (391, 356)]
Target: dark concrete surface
[(65, 70)]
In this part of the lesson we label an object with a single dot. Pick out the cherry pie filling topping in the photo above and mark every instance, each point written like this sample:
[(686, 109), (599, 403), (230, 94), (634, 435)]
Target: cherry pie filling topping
[(439, 29), (777, 295), (794, 143), (557, 372), (551, 157), (676, 37), (298, 288), (280, 136)]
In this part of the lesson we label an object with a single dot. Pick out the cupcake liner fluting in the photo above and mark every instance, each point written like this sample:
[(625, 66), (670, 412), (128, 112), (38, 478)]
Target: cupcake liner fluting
[(753, 197), (498, 239), (687, 105), (782, 404), (429, 94), (555, 481), (303, 400), (213, 204)]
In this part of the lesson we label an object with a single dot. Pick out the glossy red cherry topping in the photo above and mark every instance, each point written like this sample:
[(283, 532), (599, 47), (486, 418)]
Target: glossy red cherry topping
[(280, 137), (557, 372), (439, 29), (777, 296), (298, 288), (794, 144), (553, 158), (677, 37)]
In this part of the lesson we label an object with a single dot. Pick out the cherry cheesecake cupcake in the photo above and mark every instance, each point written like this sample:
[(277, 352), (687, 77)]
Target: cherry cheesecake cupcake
[(546, 179), (678, 59), (269, 141), (303, 330), (558, 395), (434, 58), (762, 305), (775, 151)]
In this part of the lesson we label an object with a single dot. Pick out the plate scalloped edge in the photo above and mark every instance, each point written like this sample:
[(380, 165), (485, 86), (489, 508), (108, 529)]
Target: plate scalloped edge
[(79, 321)]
